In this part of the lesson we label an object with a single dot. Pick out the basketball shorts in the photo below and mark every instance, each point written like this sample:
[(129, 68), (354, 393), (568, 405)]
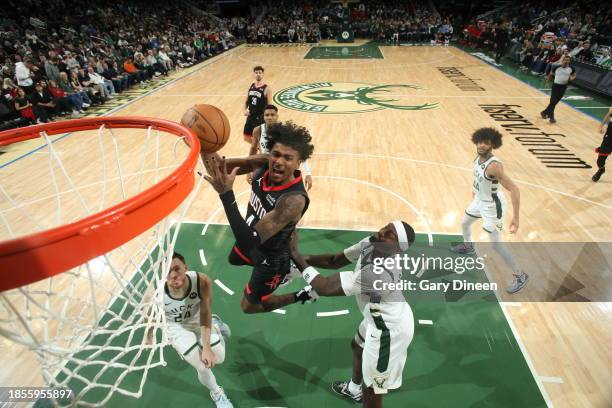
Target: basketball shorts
[(491, 212), (267, 274), (385, 349), (184, 337), (251, 123)]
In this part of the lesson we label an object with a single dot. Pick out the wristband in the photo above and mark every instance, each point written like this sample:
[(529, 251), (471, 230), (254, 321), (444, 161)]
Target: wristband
[(309, 274)]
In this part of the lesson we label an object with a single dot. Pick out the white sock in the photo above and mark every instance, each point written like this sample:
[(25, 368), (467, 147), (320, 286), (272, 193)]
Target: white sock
[(354, 388), (502, 249), (466, 227)]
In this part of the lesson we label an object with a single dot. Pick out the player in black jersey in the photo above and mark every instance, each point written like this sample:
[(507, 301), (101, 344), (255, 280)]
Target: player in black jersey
[(255, 104), (278, 201)]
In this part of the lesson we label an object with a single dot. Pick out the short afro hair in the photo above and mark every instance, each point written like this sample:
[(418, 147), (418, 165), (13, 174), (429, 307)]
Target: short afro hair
[(490, 134), (292, 135)]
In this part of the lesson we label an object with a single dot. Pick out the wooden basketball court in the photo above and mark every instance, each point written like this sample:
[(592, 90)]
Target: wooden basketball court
[(392, 141)]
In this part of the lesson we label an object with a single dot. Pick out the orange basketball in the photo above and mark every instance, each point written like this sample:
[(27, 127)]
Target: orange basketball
[(209, 124)]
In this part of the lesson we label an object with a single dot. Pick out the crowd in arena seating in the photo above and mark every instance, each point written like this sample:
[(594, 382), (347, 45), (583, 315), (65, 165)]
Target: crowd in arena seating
[(56, 63), (537, 37), (384, 21)]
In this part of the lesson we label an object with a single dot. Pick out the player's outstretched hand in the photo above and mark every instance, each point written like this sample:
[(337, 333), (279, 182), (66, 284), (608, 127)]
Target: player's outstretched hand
[(308, 182), (514, 225), (218, 176), (208, 357)]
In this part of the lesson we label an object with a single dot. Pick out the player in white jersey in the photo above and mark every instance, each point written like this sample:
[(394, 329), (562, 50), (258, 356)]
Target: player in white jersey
[(489, 203), (259, 143), (197, 335), (381, 343)]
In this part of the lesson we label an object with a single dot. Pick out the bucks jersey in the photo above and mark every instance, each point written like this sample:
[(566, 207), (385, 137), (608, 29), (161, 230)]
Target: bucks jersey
[(369, 284), (256, 99), (186, 309), (263, 200), (485, 188), (263, 139)]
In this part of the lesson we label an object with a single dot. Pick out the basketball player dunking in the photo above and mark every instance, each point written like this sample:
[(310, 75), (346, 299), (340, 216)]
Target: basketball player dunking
[(278, 201), (256, 101), (260, 143), (489, 204)]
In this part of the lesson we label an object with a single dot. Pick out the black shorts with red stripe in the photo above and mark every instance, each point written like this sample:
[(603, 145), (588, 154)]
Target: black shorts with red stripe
[(268, 272)]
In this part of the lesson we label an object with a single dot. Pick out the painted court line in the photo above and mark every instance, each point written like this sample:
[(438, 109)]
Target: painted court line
[(552, 380), (336, 313), (225, 288), (279, 311), (203, 258), (426, 322), (512, 304)]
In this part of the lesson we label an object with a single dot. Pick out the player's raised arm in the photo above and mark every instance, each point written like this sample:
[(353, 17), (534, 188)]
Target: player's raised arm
[(244, 164), (496, 170), (208, 357)]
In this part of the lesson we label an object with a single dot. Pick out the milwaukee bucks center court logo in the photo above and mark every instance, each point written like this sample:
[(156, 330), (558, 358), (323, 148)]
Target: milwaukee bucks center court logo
[(352, 97)]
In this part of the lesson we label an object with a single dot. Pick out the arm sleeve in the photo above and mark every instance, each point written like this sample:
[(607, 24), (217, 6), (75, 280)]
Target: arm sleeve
[(246, 237)]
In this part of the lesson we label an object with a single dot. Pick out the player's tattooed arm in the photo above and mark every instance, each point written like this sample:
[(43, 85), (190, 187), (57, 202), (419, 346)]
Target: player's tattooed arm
[(205, 290), (288, 209), (255, 141), (327, 261), (496, 171)]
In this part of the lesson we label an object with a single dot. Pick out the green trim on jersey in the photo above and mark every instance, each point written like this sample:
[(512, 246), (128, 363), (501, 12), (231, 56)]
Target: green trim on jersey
[(498, 206), (385, 344)]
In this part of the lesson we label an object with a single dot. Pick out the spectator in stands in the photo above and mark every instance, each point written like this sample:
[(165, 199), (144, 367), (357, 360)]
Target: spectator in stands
[(24, 74), (165, 59), (64, 105), (135, 74), (80, 99), (23, 106), (51, 69), (604, 57), (120, 82), (105, 87), (585, 54), (42, 104)]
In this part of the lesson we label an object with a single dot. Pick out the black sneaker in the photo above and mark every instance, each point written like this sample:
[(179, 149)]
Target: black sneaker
[(543, 115), (463, 248), (341, 388), (552, 120), (306, 295), (598, 175)]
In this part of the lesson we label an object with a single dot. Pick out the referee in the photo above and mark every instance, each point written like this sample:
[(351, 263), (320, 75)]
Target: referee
[(563, 74)]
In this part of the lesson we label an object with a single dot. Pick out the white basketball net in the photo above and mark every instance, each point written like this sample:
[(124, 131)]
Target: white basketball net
[(86, 327)]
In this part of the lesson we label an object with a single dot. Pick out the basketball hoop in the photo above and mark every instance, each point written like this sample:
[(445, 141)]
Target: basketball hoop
[(83, 258), (50, 252)]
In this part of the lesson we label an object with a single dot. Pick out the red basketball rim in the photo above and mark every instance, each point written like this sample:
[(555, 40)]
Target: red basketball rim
[(37, 256)]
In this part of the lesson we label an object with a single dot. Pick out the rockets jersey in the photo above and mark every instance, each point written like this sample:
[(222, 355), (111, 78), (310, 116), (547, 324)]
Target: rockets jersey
[(187, 309), (263, 200), (256, 99)]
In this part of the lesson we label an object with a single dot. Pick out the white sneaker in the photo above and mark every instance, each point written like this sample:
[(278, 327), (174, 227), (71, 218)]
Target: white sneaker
[(221, 400), (86, 105), (294, 272), (517, 283), (224, 329)]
